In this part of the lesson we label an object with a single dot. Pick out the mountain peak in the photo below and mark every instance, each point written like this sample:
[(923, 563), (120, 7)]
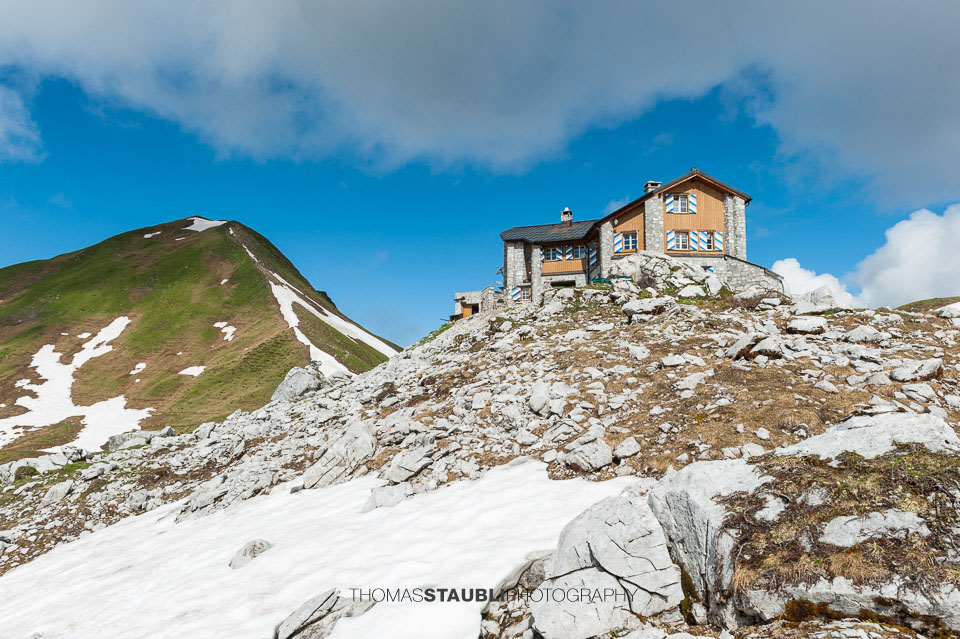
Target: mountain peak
[(172, 324)]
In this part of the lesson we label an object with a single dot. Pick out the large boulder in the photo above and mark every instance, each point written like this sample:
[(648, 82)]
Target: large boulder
[(618, 549), (687, 506), (297, 382), (316, 618), (250, 551), (839, 524), (341, 457), (823, 299), (950, 311)]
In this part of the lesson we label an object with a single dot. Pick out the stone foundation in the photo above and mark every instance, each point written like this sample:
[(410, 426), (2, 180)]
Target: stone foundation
[(738, 274), (576, 279)]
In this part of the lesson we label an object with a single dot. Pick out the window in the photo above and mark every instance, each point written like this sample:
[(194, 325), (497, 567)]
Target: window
[(683, 241), (579, 252), (706, 241), (630, 241), (525, 294), (680, 202), (553, 254)]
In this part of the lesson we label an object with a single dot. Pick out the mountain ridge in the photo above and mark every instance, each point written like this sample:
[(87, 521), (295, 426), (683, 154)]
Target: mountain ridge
[(217, 316)]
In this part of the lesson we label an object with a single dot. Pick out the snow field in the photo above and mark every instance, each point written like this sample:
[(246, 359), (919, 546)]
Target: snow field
[(148, 576)]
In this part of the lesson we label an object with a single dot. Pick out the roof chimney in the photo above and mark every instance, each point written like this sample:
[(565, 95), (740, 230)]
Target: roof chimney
[(651, 186), (566, 216)]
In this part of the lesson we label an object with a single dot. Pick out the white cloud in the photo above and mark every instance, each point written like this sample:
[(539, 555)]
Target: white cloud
[(918, 260), (19, 136), (613, 205), (800, 280), (507, 82)]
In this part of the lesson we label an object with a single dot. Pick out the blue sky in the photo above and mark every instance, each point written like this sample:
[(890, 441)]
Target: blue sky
[(392, 207)]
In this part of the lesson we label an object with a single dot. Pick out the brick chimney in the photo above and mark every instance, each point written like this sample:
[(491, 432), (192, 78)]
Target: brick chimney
[(651, 185), (566, 216)]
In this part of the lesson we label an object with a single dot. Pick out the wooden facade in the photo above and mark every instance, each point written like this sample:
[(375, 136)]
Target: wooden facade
[(709, 215), (551, 267), (564, 265), (631, 221)]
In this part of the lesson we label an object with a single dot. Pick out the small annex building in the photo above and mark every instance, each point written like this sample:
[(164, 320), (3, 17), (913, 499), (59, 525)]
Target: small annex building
[(695, 218)]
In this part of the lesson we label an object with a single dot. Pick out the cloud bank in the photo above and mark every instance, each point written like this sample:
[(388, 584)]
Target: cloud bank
[(918, 260), (19, 136), (800, 280), (865, 86)]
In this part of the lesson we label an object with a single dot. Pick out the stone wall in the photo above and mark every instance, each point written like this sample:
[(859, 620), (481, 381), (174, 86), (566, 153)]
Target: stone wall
[(536, 273), (735, 226), (514, 268), (653, 238), (606, 247), (578, 279), (737, 274)]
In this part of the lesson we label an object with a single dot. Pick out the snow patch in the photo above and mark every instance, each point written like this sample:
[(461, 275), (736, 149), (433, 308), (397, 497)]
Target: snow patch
[(252, 256), (352, 331), (157, 578), (83, 335), (53, 402), (138, 368), (228, 331), (201, 224), (154, 234), (287, 298), (192, 370), (224, 281)]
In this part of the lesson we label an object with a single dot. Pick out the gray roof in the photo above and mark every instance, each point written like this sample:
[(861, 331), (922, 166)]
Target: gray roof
[(546, 233)]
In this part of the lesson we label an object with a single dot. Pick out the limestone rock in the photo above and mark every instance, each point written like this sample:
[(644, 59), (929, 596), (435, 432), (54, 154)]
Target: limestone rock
[(297, 382), (250, 550), (807, 325), (850, 530), (590, 456), (872, 435), (627, 448), (341, 458), (386, 496), (57, 492), (616, 544), (539, 398), (316, 618)]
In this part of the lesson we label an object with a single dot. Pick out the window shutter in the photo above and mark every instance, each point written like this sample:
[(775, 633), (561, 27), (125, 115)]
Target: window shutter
[(515, 294), (692, 203), (593, 256), (718, 241), (671, 240), (617, 242), (705, 241), (543, 254), (568, 251), (669, 204), (694, 241)]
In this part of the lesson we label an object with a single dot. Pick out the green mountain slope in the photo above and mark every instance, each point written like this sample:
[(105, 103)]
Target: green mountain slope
[(174, 285)]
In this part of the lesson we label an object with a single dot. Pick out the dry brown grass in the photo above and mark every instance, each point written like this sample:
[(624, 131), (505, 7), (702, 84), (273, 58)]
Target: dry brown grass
[(788, 550)]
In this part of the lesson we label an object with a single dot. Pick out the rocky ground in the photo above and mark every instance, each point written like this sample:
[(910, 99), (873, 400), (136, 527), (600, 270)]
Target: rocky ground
[(794, 461)]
